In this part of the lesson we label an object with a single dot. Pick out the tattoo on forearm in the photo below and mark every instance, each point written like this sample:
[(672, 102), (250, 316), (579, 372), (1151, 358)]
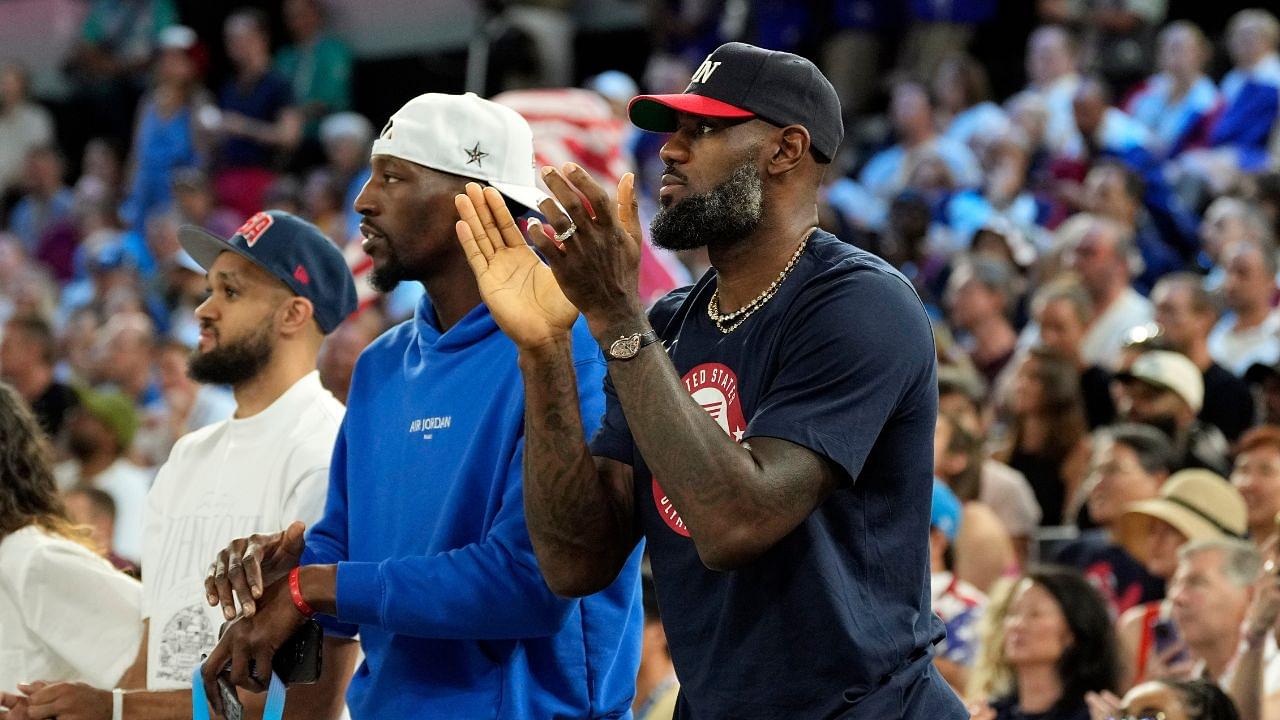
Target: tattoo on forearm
[(713, 481), (570, 513)]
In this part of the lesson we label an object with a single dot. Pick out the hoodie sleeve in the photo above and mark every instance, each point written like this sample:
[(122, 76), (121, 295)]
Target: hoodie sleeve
[(491, 589), (488, 590)]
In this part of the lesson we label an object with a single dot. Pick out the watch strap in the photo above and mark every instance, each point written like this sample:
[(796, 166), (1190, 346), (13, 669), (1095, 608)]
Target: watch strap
[(628, 346)]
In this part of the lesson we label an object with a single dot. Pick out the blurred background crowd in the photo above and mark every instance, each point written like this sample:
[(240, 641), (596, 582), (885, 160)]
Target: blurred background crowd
[(1085, 193)]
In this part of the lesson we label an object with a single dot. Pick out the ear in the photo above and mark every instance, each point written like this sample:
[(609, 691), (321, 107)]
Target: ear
[(792, 149), (295, 316)]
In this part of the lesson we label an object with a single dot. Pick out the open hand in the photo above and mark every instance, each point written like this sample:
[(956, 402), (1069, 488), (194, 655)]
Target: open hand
[(519, 290), (598, 266), (247, 566)]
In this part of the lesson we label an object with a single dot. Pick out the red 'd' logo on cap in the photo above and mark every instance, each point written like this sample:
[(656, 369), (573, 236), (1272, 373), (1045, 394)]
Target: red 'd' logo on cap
[(253, 228), (300, 274)]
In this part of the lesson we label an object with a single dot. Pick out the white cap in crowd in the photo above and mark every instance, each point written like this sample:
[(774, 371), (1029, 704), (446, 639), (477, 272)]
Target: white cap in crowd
[(1172, 371)]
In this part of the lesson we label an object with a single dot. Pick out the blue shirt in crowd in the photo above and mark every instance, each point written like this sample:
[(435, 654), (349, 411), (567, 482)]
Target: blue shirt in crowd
[(1252, 110), (161, 145), (263, 100)]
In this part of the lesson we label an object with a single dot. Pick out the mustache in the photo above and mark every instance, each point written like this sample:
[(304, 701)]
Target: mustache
[(366, 222), (668, 169)]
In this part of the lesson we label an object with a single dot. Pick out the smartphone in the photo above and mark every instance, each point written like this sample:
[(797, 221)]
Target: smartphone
[(1165, 633), (297, 662), (231, 707)]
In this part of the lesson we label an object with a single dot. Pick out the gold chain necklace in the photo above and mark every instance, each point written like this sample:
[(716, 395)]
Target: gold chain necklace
[(728, 322)]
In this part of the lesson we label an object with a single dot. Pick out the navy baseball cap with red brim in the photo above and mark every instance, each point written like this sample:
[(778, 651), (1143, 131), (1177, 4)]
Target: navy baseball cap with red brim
[(657, 113), (741, 81), (291, 249)]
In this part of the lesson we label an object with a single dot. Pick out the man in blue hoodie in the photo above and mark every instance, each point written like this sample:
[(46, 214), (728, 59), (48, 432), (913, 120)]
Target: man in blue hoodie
[(423, 548)]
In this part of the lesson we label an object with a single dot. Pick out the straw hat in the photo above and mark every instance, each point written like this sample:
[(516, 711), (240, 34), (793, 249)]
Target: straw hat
[(1198, 503)]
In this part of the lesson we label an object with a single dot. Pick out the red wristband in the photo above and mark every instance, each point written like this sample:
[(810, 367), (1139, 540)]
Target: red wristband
[(295, 592)]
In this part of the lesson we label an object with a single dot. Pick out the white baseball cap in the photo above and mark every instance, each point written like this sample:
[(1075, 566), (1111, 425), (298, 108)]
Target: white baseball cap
[(1172, 371), (465, 135)]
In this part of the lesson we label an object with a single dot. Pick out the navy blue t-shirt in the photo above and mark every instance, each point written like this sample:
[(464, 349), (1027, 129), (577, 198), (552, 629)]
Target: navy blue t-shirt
[(833, 620), (264, 101)]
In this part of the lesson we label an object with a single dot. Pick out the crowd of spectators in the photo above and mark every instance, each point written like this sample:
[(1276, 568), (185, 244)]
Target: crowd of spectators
[(1097, 251)]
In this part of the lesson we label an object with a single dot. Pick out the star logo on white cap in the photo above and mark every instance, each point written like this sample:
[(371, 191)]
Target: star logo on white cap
[(475, 155)]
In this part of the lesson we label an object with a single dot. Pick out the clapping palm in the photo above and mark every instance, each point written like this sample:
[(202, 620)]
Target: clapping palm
[(520, 290)]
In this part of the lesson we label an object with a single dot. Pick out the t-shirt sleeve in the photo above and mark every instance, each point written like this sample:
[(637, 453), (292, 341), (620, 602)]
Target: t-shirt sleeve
[(308, 469), (306, 502), (98, 635), (856, 342)]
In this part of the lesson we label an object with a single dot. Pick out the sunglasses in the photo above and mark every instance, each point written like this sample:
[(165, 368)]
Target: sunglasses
[(1148, 715)]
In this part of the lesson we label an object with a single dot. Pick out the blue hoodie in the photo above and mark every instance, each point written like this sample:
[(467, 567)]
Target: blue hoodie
[(425, 521)]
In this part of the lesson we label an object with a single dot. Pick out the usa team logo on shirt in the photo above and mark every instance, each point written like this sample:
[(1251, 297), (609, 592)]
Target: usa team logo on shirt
[(253, 228), (715, 388)]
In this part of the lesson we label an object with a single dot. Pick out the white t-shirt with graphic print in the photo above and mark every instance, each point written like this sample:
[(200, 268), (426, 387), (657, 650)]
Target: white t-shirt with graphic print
[(224, 481)]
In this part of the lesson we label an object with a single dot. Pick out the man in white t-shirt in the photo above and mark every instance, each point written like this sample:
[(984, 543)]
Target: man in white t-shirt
[(277, 287), (1250, 332), (1106, 259)]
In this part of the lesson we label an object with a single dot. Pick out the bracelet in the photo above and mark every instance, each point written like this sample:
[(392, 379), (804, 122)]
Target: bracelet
[(295, 592), (117, 704)]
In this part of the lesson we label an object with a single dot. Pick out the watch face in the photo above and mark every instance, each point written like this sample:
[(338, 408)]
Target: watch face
[(626, 347)]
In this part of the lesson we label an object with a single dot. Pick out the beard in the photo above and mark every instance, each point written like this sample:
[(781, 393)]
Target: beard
[(234, 362), (388, 276), (719, 217)]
